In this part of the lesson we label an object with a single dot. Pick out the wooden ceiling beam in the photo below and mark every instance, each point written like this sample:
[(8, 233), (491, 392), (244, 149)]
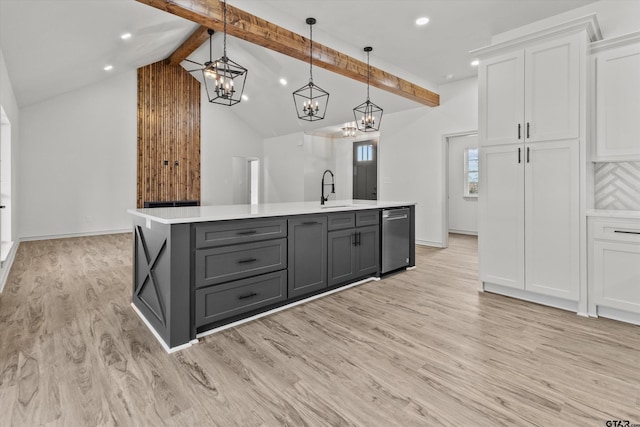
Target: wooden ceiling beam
[(194, 41), (254, 29)]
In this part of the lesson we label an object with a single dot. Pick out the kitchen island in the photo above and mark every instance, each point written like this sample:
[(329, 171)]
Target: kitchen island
[(201, 268)]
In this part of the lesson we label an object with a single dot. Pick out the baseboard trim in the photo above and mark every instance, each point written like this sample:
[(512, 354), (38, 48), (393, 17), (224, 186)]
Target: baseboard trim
[(466, 232), (7, 263), (532, 297), (429, 243), (71, 235), (157, 335)]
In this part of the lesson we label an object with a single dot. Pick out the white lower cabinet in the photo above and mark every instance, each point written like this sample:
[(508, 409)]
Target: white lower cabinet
[(615, 268), (529, 218)]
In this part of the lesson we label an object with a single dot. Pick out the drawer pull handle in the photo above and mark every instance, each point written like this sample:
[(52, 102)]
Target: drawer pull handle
[(252, 294), (246, 233), (246, 261), (626, 232), (310, 223)]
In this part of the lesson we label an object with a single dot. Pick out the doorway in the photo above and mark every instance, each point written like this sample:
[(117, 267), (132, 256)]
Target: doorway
[(6, 239), (365, 170), (460, 192)]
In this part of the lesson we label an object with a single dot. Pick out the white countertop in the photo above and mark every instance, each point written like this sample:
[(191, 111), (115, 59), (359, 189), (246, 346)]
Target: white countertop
[(613, 213), (190, 214)]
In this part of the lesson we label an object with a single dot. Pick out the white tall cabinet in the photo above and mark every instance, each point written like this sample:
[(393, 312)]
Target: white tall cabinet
[(532, 138)]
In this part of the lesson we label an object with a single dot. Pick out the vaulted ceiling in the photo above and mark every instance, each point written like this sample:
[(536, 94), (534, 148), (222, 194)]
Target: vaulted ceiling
[(56, 46)]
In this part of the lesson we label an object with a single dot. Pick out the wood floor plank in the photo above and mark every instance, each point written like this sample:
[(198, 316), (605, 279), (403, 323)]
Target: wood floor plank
[(419, 348)]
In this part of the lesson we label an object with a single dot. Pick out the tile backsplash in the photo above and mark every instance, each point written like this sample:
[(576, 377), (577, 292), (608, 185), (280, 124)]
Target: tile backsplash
[(617, 186)]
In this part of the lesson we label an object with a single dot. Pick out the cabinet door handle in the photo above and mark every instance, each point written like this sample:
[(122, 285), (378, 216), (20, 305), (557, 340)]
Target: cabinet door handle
[(252, 294), (626, 232), (358, 239), (246, 261), (519, 129), (519, 149), (246, 233), (354, 240), (528, 149), (309, 222), (528, 126)]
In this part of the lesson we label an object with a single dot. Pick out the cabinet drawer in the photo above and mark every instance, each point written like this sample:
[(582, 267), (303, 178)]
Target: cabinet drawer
[(340, 221), (218, 265), (240, 231), (223, 301), (371, 217), (620, 231)]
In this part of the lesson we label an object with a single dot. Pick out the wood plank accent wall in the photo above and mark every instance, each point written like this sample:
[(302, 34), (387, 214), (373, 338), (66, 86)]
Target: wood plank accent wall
[(168, 130)]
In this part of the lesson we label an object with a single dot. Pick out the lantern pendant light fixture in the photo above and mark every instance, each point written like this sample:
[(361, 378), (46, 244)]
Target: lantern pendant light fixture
[(368, 115), (223, 78), (311, 100)]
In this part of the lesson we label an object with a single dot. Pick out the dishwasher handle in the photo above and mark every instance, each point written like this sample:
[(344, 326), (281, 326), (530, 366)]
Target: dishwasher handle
[(393, 218)]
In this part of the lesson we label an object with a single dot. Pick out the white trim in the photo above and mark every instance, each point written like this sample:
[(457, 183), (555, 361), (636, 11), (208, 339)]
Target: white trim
[(467, 232), (533, 297), (158, 337), (619, 315), (7, 263), (588, 23), (284, 307), (431, 244), (614, 42), (84, 234)]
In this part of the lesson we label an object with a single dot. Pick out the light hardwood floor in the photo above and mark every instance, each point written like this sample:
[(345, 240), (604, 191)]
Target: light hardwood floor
[(422, 348)]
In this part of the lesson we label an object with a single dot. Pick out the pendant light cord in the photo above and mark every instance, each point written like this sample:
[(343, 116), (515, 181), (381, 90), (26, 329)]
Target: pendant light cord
[(311, 53), (224, 13), (368, 75)]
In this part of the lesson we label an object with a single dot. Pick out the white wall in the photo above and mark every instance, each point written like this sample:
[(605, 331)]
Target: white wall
[(411, 158), (463, 211), (10, 106), (293, 167), (77, 166), (223, 137)]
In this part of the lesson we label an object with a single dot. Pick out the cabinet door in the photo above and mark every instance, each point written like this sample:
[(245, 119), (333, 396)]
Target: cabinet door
[(552, 219), (501, 215), (618, 104), (368, 250), (501, 92), (552, 84), (616, 274), (307, 264), (342, 256)]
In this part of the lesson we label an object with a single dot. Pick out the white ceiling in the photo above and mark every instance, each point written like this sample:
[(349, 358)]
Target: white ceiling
[(56, 46)]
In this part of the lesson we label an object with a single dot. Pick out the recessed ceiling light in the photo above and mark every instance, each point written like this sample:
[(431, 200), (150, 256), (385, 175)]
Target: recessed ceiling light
[(125, 36), (449, 76), (245, 97), (475, 63), (108, 67), (422, 21), (283, 82)]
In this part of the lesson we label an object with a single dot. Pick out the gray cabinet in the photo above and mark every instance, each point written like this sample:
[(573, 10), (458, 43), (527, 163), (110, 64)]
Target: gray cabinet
[(307, 254), (354, 252)]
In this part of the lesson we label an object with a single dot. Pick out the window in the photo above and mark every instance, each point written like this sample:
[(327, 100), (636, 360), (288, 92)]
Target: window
[(365, 153), (471, 172)]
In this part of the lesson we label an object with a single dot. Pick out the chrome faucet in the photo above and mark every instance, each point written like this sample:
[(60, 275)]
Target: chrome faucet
[(322, 185)]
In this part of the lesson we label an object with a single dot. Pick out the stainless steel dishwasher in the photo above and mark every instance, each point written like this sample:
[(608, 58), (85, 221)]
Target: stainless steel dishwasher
[(396, 229)]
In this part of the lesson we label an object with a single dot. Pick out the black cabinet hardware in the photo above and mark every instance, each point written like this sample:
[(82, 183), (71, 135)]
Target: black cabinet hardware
[(626, 232), (528, 149), (358, 238), (246, 233), (246, 261), (310, 223), (528, 126), (252, 294), (519, 153), (519, 135)]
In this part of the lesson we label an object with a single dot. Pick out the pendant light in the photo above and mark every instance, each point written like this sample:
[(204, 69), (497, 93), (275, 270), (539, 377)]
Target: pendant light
[(311, 100), (223, 78), (368, 115)]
